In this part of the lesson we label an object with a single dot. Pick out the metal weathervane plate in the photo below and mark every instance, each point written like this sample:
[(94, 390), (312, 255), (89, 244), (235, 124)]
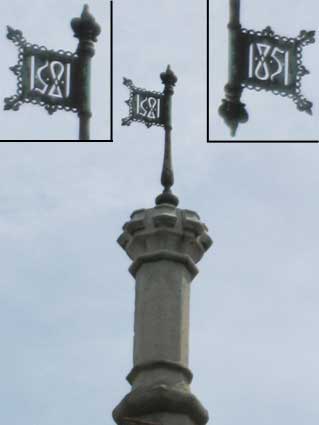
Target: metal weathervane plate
[(45, 77), (274, 63), (144, 106)]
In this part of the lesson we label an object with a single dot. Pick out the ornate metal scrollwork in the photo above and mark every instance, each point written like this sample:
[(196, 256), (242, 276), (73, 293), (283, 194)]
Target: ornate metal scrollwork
[(144, 106), (44, 77), (274, 63)]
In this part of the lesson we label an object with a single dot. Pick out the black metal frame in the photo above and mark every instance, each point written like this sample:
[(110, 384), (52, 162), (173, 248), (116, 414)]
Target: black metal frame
[(131, 102), (24, 94), (297, 69)]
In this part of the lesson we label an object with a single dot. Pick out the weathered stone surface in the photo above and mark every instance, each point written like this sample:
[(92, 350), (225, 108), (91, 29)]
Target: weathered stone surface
[(162, 312), (161, 398), (165, 228), (165, 243)]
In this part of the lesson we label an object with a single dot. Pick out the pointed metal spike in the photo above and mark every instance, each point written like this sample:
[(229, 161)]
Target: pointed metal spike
[(127, 82), (16, 69), (126, 121), (86, 10)]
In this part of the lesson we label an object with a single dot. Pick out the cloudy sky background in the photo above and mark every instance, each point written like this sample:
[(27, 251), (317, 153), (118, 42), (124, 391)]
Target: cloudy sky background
[(270, 117), (67, 298)]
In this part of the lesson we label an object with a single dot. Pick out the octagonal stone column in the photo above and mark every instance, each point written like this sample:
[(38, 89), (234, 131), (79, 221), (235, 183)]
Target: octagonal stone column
[(164, 243)]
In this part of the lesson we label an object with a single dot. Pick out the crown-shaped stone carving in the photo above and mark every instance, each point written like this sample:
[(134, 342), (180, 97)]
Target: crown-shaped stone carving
[(165, 232)]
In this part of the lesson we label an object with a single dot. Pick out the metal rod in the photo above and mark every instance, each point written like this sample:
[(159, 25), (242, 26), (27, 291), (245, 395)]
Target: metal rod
[(84, 133), (86, 30), (231, 109), (167, 178), (86, 52), (169, 79), (234, 28), (234, 12)]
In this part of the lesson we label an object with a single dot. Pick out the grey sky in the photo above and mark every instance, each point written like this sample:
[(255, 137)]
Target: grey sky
[(46, 22), (67, 298), (271, 117)]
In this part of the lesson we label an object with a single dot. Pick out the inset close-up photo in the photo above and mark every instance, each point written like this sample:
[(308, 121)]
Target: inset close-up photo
[(60, 62), (263, 63)]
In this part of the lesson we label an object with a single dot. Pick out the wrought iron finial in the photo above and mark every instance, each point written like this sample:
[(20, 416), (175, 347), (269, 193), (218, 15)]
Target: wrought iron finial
[(155, 109), (306, 37), (169, 79), (86, 26), (85, 11), (232, 110), (16, 36)]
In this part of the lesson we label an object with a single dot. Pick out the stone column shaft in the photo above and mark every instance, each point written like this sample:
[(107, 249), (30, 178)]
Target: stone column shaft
[(162, 312), (164, 243)]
